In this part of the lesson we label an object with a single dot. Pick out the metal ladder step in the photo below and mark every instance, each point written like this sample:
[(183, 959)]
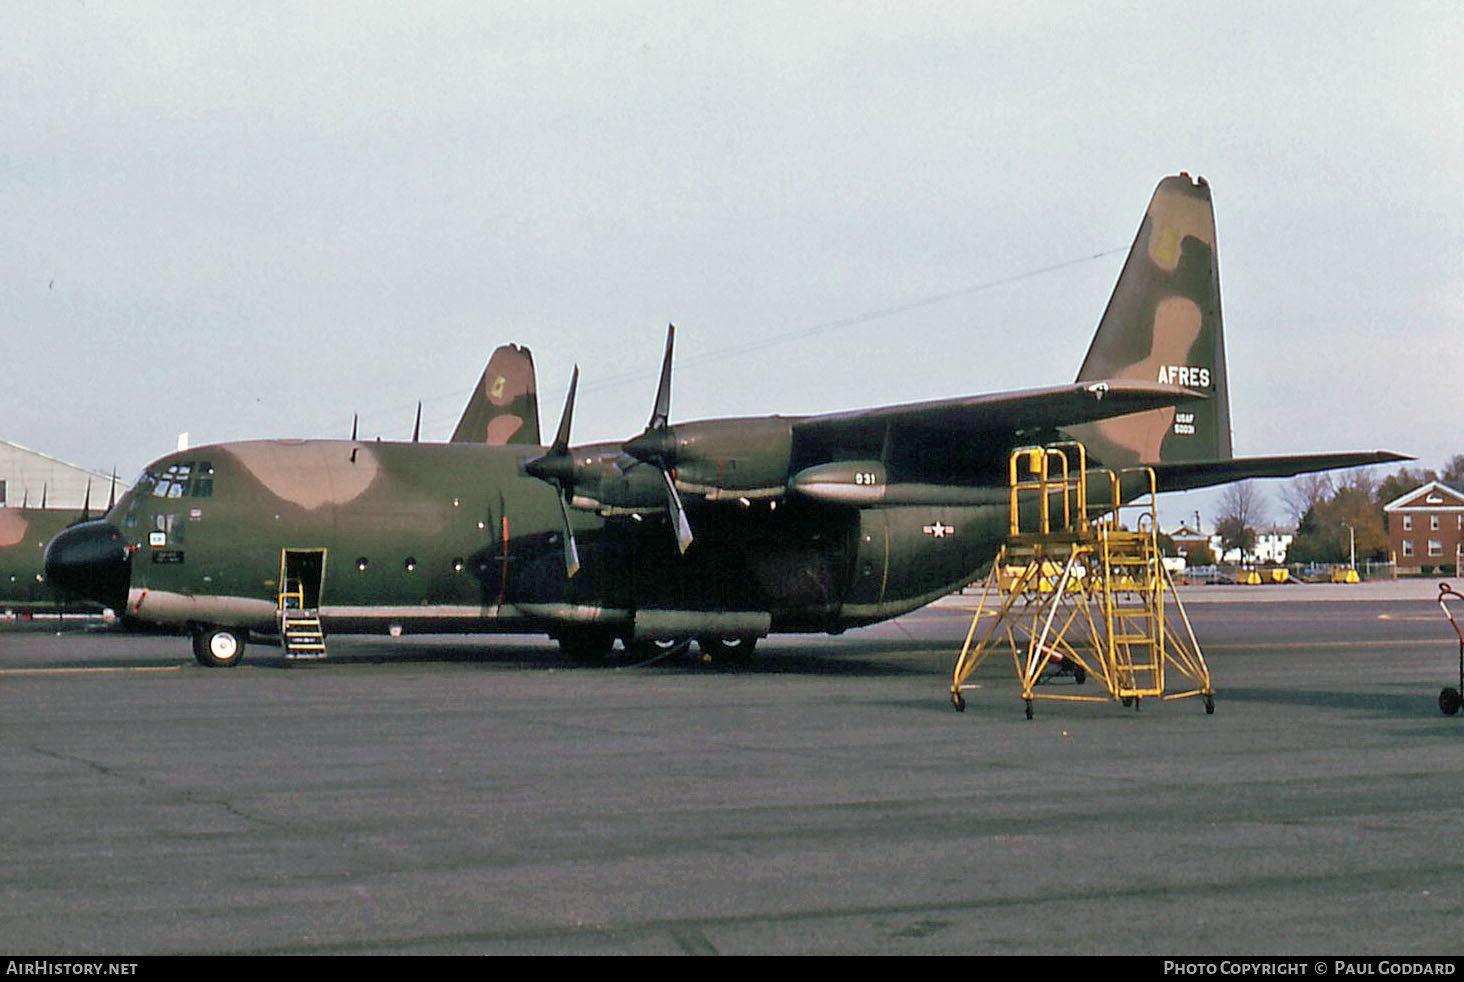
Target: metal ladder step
[(301, 635)]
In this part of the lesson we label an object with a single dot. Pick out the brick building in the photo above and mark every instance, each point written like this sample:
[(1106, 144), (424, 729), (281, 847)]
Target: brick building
[(1192, 546), (1426, 527)]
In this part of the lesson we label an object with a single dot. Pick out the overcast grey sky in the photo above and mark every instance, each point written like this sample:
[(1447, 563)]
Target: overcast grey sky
[(256, 219)]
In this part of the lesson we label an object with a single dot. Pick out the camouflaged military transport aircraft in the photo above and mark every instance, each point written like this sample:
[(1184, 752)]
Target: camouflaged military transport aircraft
[(502, 409), (718, 530), (24, 533)]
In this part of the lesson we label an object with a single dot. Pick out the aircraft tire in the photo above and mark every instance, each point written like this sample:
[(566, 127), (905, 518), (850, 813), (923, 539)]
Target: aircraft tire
[(218, 647), (586, 646), (1449, 701), (727, 650), (648, 649)]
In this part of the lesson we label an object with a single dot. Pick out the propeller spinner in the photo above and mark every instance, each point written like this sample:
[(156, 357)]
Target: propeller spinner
[(654, 447)]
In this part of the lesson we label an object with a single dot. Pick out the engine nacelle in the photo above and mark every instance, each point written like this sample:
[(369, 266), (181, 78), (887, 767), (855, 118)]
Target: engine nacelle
[(628, 488), (744, 458)]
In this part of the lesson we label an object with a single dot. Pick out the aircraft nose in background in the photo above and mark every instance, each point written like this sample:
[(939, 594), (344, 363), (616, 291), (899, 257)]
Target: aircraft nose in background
[(90, 560)]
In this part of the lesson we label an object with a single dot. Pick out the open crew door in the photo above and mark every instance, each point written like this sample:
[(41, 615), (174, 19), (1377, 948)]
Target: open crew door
[(302, 580)]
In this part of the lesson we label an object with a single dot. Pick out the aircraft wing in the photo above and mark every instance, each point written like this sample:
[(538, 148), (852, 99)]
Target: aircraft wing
[(1001, 412), (1186, 475)]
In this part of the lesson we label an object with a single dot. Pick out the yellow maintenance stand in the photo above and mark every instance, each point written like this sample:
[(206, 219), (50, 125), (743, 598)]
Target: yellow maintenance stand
[(1083, 596)]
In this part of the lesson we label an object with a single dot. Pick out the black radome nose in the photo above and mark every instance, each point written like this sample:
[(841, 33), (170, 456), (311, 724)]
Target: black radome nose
[(90, 560)]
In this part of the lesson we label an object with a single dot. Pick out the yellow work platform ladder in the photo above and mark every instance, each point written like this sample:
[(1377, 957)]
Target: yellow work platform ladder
[(301, 635), (1083, 597)]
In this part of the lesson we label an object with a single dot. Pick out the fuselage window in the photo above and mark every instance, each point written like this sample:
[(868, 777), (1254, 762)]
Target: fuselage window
[(172, 527)]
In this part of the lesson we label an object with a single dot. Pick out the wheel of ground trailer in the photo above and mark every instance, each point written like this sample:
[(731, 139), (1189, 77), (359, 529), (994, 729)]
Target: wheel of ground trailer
[(218, 647), (1080, 674), (1449, 701), (1209, 705), (1029, 708), (727, 649)]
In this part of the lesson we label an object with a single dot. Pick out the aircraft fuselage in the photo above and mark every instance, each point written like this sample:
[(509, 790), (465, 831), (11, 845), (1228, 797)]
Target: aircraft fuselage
[(434, 537)]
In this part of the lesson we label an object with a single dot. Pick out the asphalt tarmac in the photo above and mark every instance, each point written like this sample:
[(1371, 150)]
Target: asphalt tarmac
[(484, 795)]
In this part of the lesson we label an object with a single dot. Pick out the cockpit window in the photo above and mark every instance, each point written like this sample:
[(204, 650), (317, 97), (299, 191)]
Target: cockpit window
[(144, 484), (203, 480), (173, 482), (191, 478)]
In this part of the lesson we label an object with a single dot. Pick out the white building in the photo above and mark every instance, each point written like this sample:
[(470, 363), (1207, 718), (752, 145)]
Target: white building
[(29, 476), (1269, 550)]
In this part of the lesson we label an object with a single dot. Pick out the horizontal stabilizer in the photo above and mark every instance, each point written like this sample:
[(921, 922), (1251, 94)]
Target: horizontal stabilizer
[(1186, 475)]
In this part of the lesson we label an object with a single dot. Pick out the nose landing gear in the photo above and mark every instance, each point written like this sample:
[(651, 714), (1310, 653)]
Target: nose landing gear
[(218, 647)]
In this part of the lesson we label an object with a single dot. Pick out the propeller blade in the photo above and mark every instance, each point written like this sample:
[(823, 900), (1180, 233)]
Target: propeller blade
[(86, 503), (112, 494), (355, 418), (561, 438), (417, 427), (571, 553), (661, 412), (654, 444), (678, 513), (556, 466), (557, 469)]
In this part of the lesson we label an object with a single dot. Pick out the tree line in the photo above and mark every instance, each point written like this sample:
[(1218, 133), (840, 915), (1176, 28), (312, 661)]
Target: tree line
[(1331, 515)]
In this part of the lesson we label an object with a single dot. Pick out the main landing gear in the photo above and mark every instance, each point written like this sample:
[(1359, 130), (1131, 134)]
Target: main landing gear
[(709, 651), (726, 651), (598, 646)]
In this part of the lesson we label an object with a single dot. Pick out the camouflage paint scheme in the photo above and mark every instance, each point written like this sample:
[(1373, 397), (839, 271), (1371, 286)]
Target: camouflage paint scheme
[(24, 533), (414, 535), (503, 407), (816, 523), (1163, 324)]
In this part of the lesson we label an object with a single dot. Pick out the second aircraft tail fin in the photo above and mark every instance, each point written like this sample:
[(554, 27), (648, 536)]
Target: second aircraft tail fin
[(504, 406)]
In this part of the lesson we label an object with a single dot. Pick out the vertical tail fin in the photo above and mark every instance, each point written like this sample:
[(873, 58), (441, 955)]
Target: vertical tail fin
[(504, 407), (1163, 324)]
